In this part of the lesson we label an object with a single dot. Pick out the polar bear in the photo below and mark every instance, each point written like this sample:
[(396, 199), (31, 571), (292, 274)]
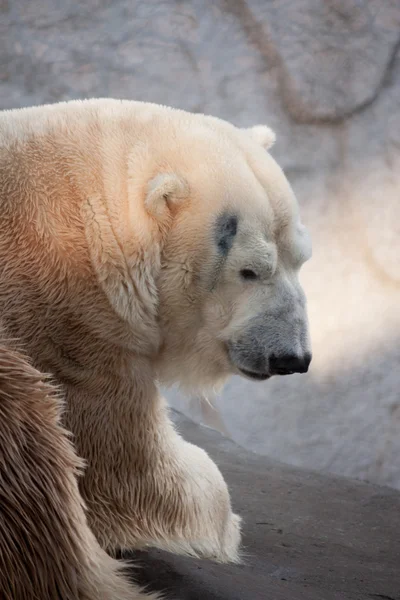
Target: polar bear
[(142, 245)]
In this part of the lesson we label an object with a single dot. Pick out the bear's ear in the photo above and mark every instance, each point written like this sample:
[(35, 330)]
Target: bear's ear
[(165, 191), (263, 135)]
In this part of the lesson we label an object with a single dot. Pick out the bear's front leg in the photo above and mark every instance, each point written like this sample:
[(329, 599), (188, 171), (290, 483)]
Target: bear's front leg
[(144, 485)]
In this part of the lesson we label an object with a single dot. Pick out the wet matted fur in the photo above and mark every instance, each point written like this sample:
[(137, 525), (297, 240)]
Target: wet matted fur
[(47, 550)]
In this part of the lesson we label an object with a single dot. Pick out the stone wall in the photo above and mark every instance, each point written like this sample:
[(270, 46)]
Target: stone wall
[(325, 74)]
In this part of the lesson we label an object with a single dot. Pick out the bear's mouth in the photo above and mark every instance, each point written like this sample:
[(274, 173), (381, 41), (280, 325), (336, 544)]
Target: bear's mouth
[(255, 376)]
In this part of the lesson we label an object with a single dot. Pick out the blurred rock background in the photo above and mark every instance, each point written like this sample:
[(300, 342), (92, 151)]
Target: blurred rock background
[(325, 74)]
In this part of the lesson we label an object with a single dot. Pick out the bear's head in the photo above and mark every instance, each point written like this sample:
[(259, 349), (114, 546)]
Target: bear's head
[(229, 296)]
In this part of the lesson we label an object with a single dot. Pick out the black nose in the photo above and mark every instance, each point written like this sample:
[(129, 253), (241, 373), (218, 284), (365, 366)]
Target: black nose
[(286, 364)]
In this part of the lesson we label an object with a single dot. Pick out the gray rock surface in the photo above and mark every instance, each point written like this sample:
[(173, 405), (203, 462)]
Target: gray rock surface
[(326, 77), (306, 536)]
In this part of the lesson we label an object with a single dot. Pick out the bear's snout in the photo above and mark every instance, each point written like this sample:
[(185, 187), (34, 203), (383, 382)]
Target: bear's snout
[(256, 365), (275, 347)]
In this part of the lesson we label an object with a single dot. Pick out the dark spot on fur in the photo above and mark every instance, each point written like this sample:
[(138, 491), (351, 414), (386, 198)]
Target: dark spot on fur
[(226, 231)]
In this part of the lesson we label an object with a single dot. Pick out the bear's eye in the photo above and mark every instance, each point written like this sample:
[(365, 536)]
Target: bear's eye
[(248, 274)]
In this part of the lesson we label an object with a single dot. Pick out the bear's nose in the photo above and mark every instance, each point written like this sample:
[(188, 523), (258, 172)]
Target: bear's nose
[(286, 364)]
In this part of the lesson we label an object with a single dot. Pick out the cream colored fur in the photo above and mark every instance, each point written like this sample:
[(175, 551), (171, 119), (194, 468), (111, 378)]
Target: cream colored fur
[(47, 550), (112, 281)]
